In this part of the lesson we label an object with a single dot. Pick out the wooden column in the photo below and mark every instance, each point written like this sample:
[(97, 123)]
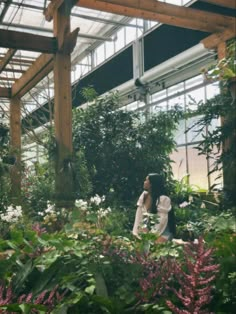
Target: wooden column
[(63, 108), (228, 147), (15, 148)]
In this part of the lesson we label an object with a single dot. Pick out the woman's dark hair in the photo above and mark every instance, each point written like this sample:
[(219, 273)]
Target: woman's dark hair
[(158, 188), (172, 222)]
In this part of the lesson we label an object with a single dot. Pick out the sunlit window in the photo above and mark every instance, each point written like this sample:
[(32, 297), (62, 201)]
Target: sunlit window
[(195, 98), (177, 101), (161, 106), (158, 96), (196, 80), (177, 88), (180, 136), (109, 48), (120, 39), (132, 106), (139, 22), (130, 34), (100, 54), (186, 159), (212, 90)]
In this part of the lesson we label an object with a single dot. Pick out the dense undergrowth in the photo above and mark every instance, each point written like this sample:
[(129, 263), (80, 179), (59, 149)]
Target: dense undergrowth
[(73, 261)]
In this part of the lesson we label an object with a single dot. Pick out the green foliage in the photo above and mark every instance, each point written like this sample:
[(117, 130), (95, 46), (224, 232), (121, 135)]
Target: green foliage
[(101, 273), (4, 167), (118, 222), (89, 93), (49, 142), (225, 68), (223, 239), (119, 148), (83, 185), (220, 106), (38, 187), (182, 190)]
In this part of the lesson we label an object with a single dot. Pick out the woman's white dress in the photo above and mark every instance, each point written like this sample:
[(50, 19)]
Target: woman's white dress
[(163, 207)]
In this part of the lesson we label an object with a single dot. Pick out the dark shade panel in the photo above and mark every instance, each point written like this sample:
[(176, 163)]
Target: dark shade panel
[(37, 118), (114, 72), (213, 8), (166, 42)]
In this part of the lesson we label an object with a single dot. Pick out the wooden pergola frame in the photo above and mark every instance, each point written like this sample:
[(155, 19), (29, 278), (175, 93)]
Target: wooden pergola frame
[(56, 52)]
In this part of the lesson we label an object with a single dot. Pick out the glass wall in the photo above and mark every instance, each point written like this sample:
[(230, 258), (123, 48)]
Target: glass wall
[(186, 160)]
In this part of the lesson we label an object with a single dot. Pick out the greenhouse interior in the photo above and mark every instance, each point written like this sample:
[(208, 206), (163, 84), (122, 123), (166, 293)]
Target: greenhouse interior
[(118, 156)]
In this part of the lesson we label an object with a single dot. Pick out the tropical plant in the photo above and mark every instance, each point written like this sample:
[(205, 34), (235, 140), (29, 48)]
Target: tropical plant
[(37, 187), (4, 167), (219, 145), (195, 280), (120, 149)]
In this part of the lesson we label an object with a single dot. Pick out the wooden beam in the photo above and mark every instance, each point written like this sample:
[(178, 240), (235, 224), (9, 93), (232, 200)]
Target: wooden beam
[(5, 92), (231, 4), (38, 70), (174, 10), (26, 41), (8, 56), (212, 41), (221, 50), (19, 61), (138, 13), (54, 5), (162, 12)]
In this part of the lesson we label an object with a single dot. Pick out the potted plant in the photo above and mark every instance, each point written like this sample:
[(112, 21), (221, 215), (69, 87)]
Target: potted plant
[(225, 69)]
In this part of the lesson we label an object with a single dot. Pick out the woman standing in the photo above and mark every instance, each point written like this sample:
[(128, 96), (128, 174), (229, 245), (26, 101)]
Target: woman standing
[(155, 201)]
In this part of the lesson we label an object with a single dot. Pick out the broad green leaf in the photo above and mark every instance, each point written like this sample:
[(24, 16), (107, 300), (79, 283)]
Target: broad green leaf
[(90, 290)]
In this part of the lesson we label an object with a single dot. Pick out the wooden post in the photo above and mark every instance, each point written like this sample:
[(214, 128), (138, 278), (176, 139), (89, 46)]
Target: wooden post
[(229, 170), (63, 108), (15, 148)]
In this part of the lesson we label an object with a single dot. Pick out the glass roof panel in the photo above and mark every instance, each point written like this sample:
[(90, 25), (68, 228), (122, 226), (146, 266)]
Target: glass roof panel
[(17, 14), (27, 16)]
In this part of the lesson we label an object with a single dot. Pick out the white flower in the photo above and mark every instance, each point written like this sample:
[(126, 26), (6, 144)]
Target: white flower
[(12, 214), (50, 208), (102, 212), (81, 204), (190, 198), (203, 205), (184, 204), (97, 200)]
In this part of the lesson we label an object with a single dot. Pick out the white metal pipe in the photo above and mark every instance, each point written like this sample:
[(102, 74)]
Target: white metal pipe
[(165, 67)]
